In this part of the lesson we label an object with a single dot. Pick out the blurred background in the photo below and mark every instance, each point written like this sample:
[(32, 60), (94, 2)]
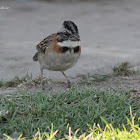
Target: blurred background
[(109, 31)]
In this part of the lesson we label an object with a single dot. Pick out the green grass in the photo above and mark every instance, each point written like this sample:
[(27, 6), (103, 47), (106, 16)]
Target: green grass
[(89, 79), (120, 70), (95, 133), (27, 80), (15, 82), (1, 83), (26, 112), (123, 70)]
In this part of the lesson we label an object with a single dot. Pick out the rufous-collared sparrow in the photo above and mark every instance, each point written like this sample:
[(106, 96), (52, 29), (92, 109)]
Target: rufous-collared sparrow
[(59, 51)]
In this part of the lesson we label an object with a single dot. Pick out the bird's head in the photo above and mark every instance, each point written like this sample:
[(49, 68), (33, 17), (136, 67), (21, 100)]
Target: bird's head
[(68, 33)]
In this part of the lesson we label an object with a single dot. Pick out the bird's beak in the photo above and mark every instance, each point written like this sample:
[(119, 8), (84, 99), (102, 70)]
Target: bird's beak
[(75, 37)]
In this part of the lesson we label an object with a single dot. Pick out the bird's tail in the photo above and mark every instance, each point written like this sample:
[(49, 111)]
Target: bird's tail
[(35, 57)]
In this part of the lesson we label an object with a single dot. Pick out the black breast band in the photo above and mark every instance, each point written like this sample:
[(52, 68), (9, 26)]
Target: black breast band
[(65, 49)]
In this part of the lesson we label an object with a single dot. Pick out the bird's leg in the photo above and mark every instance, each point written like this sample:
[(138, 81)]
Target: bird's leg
[(41, 82), (68, 81), (41, 78)]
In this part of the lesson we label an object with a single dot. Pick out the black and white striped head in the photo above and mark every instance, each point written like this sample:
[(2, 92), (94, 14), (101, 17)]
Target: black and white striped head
[(68, 33)]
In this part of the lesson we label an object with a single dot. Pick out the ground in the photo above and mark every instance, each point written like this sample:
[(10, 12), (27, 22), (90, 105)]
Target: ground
[(109, 32), (101, 82)]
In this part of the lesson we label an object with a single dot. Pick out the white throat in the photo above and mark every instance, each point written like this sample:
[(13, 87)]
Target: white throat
[(69, 43)]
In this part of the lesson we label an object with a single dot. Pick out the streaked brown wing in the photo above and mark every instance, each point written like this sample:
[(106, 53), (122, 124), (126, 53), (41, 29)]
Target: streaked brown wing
[(41, 47)]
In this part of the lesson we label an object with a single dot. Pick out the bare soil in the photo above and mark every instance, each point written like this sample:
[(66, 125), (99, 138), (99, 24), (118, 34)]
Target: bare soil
[(129, 83)]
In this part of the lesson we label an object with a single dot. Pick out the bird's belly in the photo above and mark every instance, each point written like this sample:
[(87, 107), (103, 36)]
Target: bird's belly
[(58, 61)]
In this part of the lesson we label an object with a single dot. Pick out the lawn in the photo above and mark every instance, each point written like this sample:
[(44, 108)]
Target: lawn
[(88, 111)]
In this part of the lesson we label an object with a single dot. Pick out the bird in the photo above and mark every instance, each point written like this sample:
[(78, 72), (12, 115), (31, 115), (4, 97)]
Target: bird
[(59, 51)]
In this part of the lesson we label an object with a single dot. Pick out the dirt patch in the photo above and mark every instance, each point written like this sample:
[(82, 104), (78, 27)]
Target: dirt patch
[(82, 82)]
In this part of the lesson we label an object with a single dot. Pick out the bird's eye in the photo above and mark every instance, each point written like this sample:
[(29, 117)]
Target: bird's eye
[(65, 33)]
